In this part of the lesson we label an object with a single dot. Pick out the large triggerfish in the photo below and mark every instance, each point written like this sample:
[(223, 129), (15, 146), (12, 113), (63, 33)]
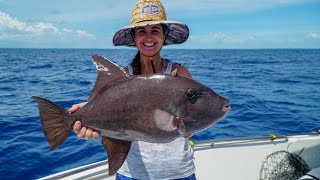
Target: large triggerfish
[(154, 108)]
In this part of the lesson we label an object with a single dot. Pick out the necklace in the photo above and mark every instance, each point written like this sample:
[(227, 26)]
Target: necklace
[(154, 69)]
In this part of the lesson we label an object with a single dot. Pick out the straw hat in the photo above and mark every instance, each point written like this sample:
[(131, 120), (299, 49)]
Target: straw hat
[(150, 12)]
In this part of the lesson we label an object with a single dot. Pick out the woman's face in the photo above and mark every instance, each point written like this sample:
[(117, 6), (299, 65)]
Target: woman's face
[(149, 39)]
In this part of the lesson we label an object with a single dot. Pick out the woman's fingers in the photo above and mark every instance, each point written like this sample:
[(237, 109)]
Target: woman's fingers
[(76, 107), (82, 132), (77, 127), (95, 135), (88, 134)]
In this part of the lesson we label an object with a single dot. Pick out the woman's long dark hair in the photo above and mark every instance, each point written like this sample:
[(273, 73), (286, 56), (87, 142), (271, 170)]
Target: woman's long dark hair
[(136, 64)]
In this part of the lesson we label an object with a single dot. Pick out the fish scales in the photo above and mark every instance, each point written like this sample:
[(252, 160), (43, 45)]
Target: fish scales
[(128, 106)]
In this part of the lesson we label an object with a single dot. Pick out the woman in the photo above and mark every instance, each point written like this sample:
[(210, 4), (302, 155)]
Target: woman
[(149, 31)]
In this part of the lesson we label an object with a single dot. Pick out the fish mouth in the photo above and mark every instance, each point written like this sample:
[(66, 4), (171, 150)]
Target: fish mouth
[(183, 130), (226, 109), (215, 121)]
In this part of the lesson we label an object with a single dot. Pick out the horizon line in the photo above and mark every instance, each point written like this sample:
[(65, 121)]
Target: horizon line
[(129, 48)]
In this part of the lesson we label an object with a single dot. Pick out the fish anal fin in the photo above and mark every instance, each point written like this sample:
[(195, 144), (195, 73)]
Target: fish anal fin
[(117, 151), (107, 72)]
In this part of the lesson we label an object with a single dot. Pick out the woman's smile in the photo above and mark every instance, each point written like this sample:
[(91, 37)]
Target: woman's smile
[(149, 44)]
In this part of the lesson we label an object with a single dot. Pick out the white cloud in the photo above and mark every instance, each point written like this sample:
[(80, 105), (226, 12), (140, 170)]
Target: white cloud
[(66, 30), (9, 22), (11, 27), (313, 36), (218, 36), (84, 34)]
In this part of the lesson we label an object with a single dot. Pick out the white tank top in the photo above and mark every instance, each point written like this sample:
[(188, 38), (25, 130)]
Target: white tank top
[(159, 161), (167, 71)]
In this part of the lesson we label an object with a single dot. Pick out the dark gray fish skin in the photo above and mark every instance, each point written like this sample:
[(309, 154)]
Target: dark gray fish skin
[(126, 109), (153, 108)]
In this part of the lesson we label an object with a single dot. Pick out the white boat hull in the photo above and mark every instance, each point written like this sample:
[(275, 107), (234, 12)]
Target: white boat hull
[(225, 159)]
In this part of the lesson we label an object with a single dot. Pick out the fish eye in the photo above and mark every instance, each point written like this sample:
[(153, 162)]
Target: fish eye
[(191, 94)]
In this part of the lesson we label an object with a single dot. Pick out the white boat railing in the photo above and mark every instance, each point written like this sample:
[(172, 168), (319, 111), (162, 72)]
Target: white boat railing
[(237, 142)]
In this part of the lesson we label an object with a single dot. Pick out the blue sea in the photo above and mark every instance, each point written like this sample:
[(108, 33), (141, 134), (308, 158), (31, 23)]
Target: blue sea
[(271, 91)]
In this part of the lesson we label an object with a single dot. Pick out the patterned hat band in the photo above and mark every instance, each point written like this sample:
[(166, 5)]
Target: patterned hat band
[(151, 12)]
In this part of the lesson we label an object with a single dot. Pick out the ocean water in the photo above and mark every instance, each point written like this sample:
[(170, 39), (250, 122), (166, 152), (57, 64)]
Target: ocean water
[(271, 91)]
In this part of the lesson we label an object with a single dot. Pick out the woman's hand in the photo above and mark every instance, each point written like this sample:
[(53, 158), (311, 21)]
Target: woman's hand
[(82, 131)]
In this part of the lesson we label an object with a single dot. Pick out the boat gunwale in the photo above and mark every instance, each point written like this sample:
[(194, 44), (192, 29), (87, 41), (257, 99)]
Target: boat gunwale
[(198, 146)]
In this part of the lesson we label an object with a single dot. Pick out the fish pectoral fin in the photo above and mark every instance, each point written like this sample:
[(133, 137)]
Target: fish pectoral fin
[(165, 120), (117, 151)]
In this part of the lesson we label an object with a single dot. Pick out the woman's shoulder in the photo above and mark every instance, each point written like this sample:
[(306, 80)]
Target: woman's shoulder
[(182, 70)]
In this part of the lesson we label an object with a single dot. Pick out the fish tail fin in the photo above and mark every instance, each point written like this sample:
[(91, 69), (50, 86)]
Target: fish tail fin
[(56, 122)]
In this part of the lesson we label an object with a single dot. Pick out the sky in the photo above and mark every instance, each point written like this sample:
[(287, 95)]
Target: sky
[(213, 24)]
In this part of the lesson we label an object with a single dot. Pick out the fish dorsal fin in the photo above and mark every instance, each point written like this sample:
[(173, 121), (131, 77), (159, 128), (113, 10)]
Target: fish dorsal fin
[(117, 151), (107, 72)]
